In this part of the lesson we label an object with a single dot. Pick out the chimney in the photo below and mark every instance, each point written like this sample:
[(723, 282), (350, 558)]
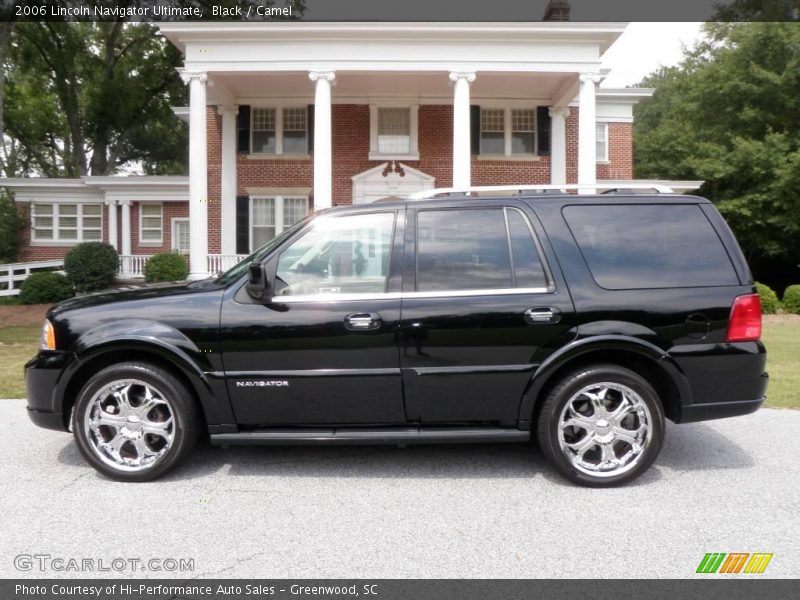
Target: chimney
[(557, 10)]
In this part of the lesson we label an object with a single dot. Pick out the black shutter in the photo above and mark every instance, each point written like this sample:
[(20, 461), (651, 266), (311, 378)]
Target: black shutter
[(242, 225), (310, 129), (475, 129), (243, 129), (543, 130)]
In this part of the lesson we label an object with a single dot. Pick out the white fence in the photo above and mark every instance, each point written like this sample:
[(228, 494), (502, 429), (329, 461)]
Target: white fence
[(131, 266), (12, 275), (219, 263)]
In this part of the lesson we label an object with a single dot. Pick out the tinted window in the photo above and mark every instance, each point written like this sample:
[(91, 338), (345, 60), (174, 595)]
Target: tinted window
[(650, 246), (462, 250), (528, 270), (338, 255)]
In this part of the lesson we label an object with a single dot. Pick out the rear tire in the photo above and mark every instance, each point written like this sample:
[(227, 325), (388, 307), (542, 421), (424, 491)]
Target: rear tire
[(135, 421), (601, 425)]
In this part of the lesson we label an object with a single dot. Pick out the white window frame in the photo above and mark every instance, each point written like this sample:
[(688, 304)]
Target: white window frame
[(279, 224), (508, 132), (278, 108), (174, 228), (602, 157), (151, 243), (56, 216), (413, 124)]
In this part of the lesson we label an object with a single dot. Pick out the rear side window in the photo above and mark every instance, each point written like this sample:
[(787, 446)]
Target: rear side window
[(476, 249), (650, 246)]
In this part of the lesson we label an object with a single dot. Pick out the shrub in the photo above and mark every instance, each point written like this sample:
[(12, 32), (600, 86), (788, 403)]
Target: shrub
[(11, 225), (165, 267), (769, 299), (791, 299), (91, 266), (45, 288)]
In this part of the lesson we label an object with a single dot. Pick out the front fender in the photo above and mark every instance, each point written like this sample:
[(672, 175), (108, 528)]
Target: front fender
[(583, 346), (161, 341)]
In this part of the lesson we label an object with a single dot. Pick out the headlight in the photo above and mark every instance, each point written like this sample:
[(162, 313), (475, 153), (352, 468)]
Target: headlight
[(48, 340)]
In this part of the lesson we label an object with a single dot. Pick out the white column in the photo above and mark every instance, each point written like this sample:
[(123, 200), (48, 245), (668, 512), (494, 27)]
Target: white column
[(461, 122), (126, 228), (558, 144), (323, 153), (228, 180), (198, 175), (587, 132), (113, 238)]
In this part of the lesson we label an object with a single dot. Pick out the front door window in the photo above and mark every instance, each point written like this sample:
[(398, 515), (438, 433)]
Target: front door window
[(339, 255)]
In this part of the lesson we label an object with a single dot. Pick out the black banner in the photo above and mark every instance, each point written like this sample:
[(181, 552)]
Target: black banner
[(405, 10), (395, 589)]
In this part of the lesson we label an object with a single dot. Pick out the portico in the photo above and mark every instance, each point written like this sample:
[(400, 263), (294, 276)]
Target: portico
[(515, 82)]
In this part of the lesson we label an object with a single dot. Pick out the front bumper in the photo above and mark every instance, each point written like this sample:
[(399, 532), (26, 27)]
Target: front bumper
[(44, 380)]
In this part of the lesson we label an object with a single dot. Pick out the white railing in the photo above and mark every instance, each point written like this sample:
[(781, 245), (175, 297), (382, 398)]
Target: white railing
[(131, 266), (219, 263), (12, 275)]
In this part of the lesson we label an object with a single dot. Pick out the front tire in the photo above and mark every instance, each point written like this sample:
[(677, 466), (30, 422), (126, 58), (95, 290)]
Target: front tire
[(601, 425), (135, 421)]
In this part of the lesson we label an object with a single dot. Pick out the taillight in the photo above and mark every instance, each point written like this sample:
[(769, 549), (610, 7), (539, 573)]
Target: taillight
[(745, 322)]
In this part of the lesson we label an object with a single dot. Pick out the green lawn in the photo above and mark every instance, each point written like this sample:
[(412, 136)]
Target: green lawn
[(781, 335), (18, 343)]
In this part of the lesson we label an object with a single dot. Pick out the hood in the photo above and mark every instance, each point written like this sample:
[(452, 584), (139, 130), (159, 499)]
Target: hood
[(128, 294)]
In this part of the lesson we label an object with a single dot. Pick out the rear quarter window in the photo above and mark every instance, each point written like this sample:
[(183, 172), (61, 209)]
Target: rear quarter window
[(635, 246)]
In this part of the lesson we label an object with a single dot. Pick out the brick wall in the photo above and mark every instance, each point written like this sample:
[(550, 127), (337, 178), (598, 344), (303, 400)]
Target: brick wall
[(170, 210), (350, 144)]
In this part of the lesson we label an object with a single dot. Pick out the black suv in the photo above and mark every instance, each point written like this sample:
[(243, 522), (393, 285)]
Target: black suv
[(578, 321)]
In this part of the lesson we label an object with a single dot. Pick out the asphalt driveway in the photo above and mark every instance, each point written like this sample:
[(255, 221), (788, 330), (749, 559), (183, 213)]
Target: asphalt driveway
[(428, 511)]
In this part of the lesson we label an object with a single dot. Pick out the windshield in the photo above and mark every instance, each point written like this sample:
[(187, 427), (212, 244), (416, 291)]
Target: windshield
[(239, 269)]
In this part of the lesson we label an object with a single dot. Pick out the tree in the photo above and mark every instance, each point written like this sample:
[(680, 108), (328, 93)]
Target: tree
[(730, 114), (92, 98)]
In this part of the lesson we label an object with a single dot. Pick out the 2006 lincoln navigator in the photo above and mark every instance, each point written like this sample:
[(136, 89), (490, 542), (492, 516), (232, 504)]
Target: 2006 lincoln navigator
[(581, 322)]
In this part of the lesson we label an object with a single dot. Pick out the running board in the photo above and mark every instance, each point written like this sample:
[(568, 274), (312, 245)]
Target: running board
[(452, 435)]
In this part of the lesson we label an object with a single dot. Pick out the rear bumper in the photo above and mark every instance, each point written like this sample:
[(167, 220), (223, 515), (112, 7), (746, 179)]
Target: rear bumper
[(725, 380), (43, 379), (692, 413)]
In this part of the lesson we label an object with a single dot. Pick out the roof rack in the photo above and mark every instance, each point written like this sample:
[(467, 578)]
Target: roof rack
[(540, 189)]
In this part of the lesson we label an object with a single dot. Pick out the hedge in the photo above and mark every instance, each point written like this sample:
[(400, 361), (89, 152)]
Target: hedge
[(45, 288), (166, 267), (91, 266), (791, 299), (769, 299)]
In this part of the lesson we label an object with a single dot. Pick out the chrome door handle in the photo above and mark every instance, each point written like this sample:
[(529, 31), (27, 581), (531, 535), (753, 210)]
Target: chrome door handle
[(542, 314), (362, 321)]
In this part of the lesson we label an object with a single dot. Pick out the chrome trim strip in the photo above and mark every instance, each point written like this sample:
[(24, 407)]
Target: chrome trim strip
[(305, 298), (466, 370), (306, 373)]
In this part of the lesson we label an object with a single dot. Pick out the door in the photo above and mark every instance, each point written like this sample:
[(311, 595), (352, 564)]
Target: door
[(481, 308), (324, 351), (180, 235)]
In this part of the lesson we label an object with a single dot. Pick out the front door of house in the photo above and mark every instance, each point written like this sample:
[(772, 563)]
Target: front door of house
[(180, 235)]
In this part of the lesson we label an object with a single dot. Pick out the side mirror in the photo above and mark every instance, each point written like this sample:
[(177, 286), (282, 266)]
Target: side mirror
[(257, 286)]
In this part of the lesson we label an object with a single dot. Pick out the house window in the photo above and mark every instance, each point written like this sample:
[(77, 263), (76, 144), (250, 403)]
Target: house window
[(269, 216), (59, 222), (280, 130), (151, 223), (508, 131), (393, 132), (493, 131), (523, 131), (180, 235), (602, 141)]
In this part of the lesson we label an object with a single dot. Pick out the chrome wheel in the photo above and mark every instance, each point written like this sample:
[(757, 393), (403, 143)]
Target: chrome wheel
[(129, 425), (604, 429)]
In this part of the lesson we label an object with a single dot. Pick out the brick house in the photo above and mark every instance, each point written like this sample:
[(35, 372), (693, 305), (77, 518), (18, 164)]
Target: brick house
[(289, 117)]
